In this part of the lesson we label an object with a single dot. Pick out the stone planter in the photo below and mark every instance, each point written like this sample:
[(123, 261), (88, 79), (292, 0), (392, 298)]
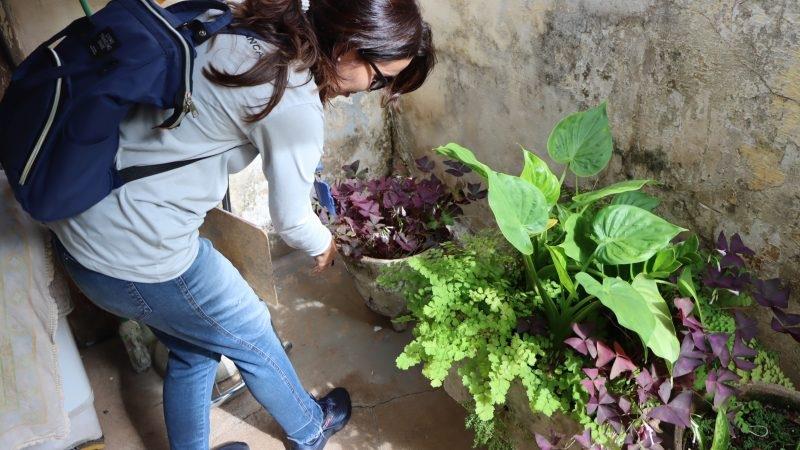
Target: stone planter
[(522, 422), (387, 303), (764, 392)]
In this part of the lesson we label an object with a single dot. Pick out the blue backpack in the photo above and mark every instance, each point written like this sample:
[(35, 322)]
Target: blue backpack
[(60, 116)]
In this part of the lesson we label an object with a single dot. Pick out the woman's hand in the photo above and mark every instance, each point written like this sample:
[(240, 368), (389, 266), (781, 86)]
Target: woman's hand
[(326, 259)]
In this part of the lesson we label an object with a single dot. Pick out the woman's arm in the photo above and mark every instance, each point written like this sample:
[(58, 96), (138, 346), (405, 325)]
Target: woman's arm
[(290, 141)]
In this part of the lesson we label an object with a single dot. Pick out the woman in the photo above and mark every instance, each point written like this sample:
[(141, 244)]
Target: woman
[(137, 253)]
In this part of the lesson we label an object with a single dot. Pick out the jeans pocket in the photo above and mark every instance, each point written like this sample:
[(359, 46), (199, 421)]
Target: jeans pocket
[(142, 307)]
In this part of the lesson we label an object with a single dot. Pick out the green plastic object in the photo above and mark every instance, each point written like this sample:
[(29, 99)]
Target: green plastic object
[(86, 8)]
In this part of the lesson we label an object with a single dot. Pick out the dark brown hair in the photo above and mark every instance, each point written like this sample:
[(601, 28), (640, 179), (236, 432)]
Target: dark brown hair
[(378, 30)]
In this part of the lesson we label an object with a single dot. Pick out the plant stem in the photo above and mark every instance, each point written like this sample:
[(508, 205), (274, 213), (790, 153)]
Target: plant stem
[(533, 278)]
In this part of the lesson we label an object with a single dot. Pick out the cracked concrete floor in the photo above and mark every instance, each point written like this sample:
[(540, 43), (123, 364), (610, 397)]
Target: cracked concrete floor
[(335, 344)]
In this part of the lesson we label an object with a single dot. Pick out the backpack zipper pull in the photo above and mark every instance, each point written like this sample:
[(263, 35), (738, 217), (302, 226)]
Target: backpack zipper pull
[(188, 105)]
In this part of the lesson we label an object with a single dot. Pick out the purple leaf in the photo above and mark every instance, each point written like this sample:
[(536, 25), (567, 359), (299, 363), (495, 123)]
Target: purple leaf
[(582, 343), (684, 305), (722, 243), (604, 355), (622, 363), (745, 326), (624, 405), (738, 247), (771, 293), (544, 443), (689, 358), (585, 439), (425, 164), (719, 347), (786, 323), (676, 412), (665, 392), (742, 354), (716, 383)]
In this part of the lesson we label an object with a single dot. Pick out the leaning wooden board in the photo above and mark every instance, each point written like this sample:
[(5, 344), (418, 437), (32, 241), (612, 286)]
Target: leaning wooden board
[(246, 246)]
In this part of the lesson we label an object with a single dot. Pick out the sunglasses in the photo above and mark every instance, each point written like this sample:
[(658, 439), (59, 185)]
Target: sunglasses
[(379, 80)]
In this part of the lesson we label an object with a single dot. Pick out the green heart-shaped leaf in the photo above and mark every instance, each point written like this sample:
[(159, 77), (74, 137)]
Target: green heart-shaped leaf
[(578, 244), (618, 188), (539, 174), (582, 140), (638, 307), (636, 198), (627, 234), (519, 208), (466, 156)]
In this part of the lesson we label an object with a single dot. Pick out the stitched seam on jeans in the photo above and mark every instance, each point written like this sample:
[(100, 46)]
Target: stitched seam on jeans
[(196, 307), (145, 309)]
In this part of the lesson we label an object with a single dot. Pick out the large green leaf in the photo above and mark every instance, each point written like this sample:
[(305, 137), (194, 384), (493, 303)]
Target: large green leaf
[(539, 174), (582, 140), (638, 307), (578, 244), (637, 198), (627, 234), (466, 156), (519, 208), (618, 188), (560, 263)]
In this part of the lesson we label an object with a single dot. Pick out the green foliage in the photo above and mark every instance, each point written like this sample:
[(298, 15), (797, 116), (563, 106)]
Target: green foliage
[(583, 141), (765, 427), (627, 234), (722, 433), (491, 434), (638, 306), (637, 198), (466, 301), (598, 237), (520, 209), (629, 186), (537, 173)]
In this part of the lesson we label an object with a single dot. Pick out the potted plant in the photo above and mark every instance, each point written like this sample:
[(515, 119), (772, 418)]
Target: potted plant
[(571, 312), (383, 220)]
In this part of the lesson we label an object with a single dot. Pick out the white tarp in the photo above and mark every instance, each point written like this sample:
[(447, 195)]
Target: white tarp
[(31, 394)]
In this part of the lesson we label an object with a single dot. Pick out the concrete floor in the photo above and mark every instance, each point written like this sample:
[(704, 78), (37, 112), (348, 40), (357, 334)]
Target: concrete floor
[(336, 343)]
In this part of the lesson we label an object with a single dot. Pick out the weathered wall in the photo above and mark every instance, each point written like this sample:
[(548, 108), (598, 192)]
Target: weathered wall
[(704, 96)]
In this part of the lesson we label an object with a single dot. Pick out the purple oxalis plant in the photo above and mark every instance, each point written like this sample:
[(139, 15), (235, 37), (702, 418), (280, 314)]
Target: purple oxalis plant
[(731, 274), (393, 217), (641, 399)]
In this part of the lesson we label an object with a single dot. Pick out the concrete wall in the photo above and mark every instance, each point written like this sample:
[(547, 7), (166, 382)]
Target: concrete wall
[(704, 96)]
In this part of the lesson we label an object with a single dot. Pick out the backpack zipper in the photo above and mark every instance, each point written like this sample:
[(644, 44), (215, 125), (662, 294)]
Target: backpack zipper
[(188, 104), (40, 141)]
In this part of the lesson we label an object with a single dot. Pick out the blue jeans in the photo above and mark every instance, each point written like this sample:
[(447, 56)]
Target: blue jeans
[(208, 311)]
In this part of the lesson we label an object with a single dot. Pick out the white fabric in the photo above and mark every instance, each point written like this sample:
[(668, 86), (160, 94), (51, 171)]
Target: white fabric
[(31, 395), (147, 231)]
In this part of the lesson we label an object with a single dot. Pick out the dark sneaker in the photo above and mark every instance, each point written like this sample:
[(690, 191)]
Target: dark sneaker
[(233, 446), (336, 409)]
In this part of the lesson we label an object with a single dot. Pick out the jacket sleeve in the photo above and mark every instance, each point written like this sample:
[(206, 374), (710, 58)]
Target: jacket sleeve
[(290, 142)]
